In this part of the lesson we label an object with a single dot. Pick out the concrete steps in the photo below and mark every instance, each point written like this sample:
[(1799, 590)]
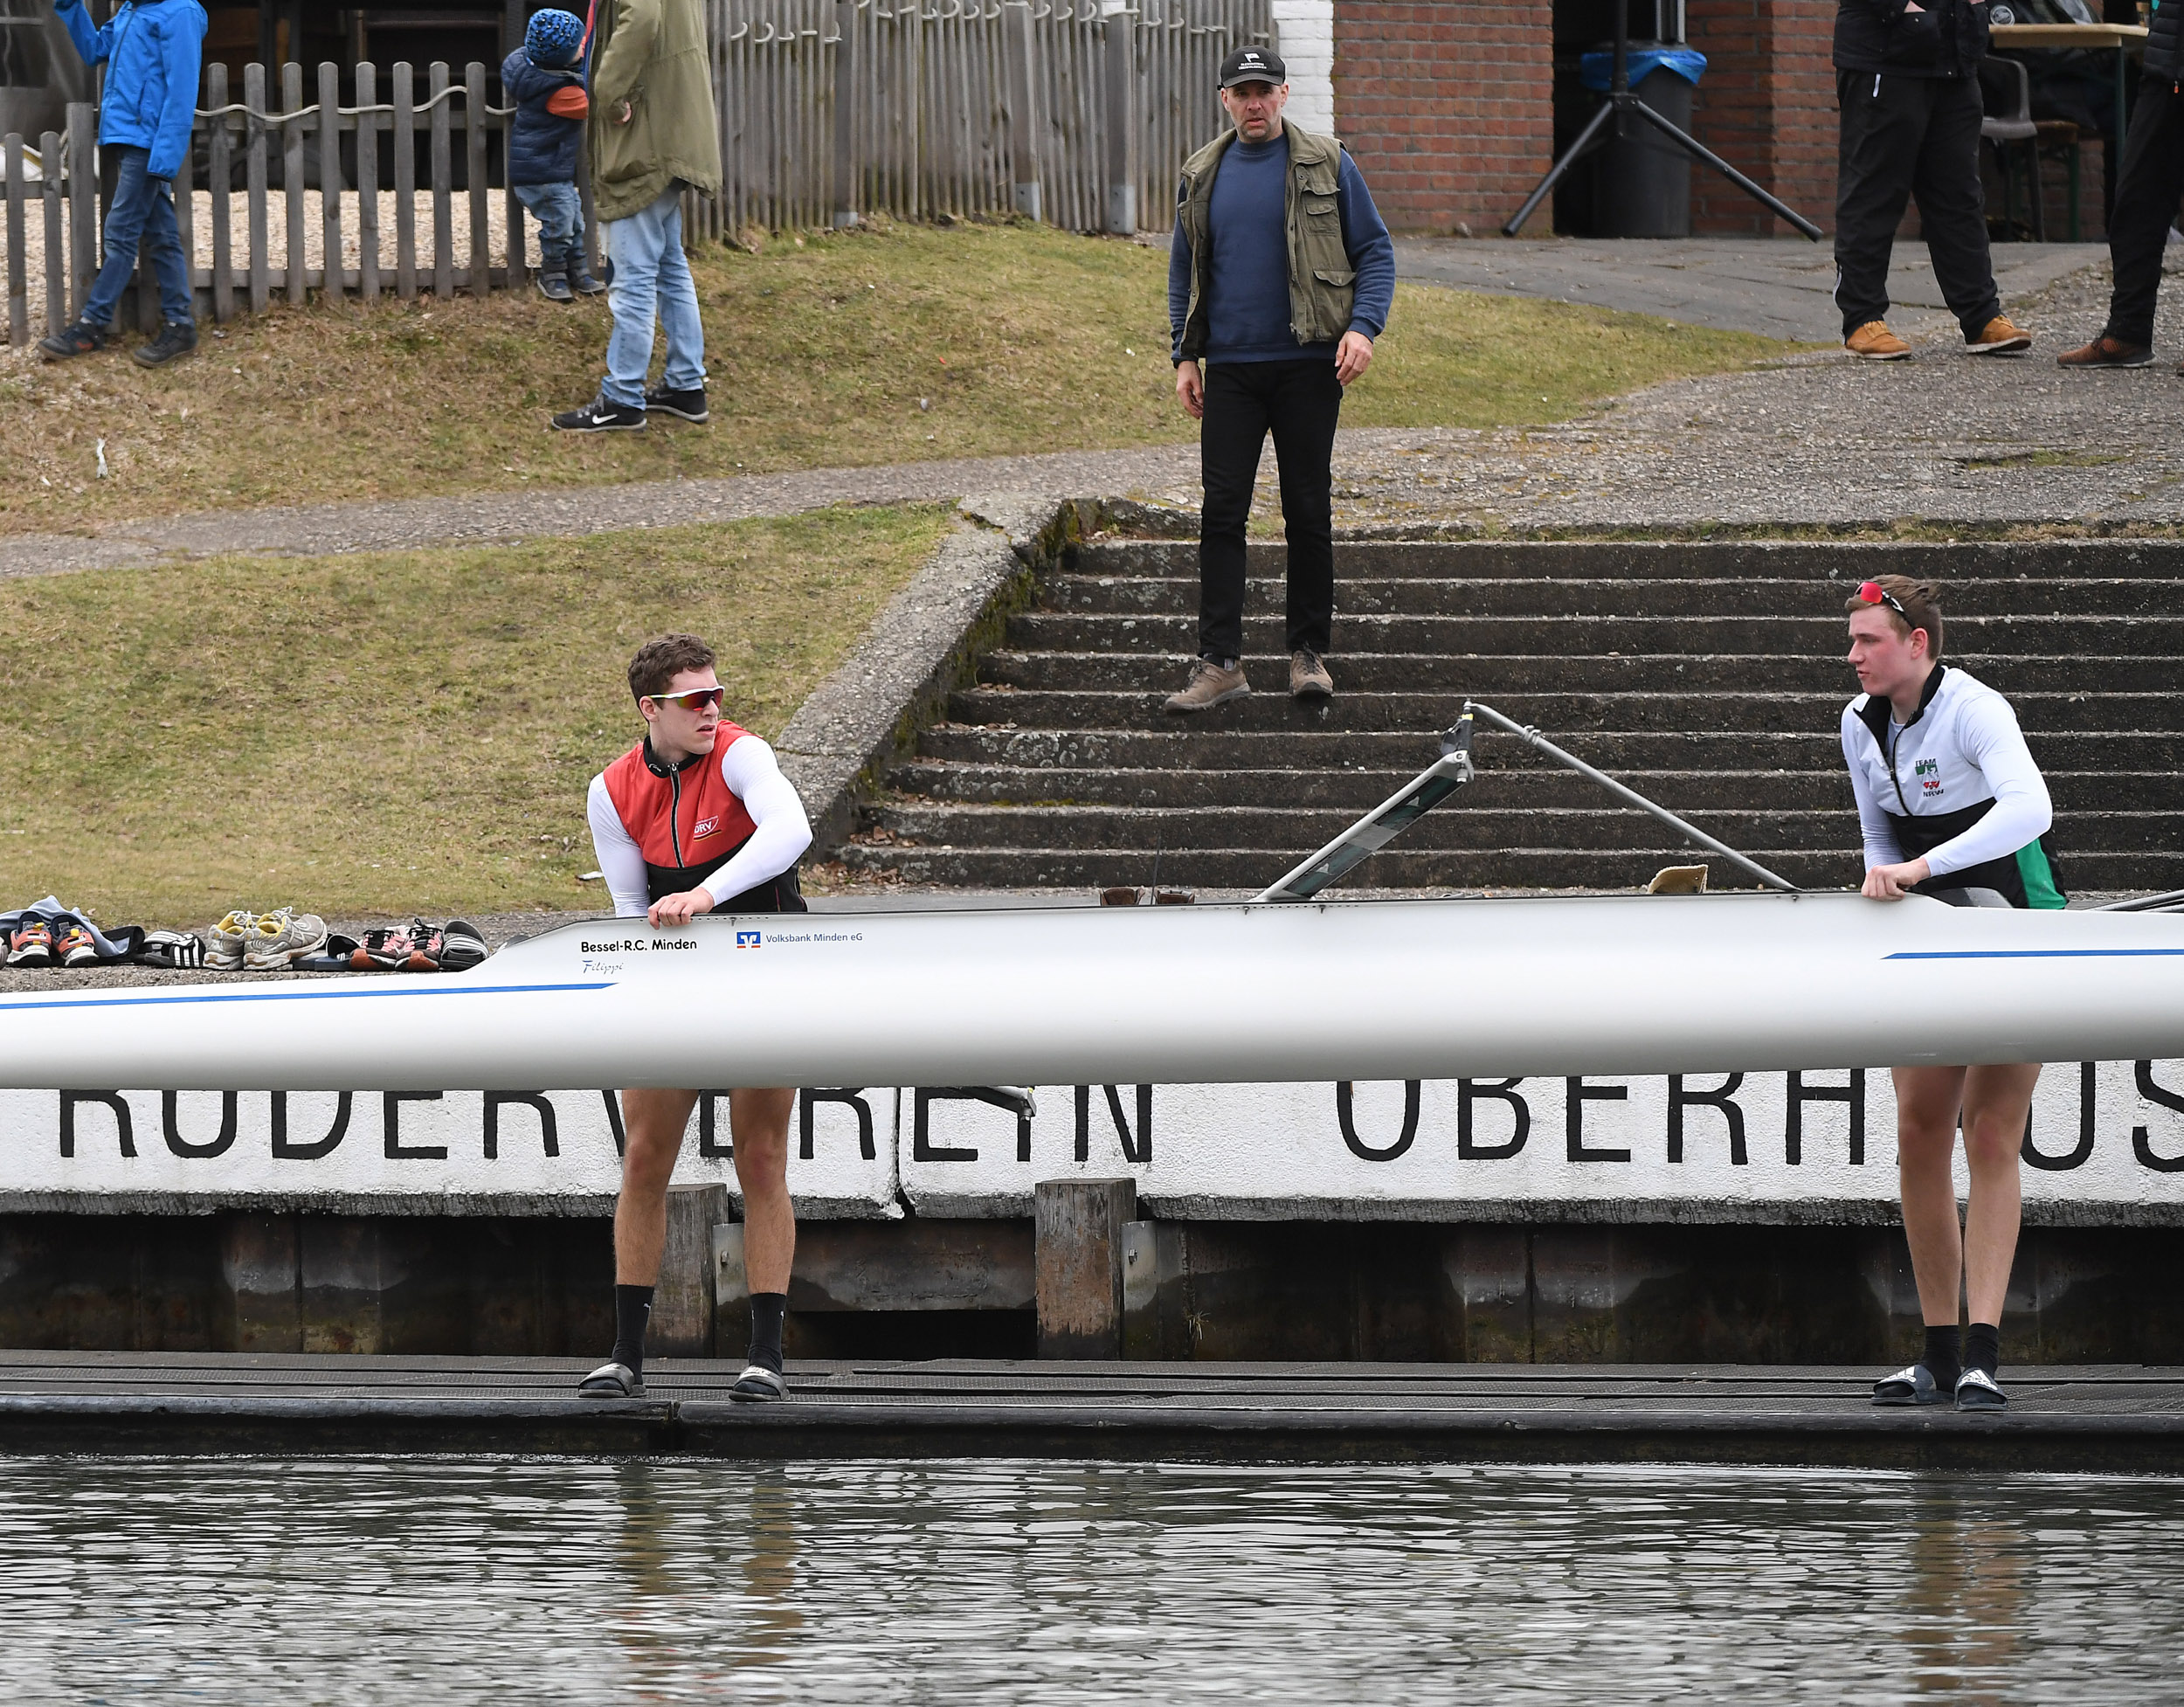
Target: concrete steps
[(1707, 676)]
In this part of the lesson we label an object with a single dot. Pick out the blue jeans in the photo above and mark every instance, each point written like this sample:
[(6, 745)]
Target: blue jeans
[(652, 279), (141, 212), (560, 215)]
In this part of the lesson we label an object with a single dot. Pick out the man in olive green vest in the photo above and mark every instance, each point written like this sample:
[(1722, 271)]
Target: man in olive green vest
[(1280, 277), (653, 134)]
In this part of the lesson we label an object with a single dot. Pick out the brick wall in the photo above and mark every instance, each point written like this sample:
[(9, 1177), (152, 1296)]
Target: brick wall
[(1447, 106), (1768, 105)]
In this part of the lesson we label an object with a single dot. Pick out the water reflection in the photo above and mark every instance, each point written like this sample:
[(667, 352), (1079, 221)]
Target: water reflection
[(371, 1580)]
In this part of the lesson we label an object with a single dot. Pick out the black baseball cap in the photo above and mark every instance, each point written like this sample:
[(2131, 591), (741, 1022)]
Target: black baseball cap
[(1254, 65)]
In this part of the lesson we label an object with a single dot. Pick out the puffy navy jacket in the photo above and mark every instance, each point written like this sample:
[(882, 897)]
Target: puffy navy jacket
[(152, 49), (1944, 38), (2164, 41), (541, 148)]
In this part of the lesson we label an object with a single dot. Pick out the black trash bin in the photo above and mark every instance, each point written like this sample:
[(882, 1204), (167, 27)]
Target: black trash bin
[(1641, 181)]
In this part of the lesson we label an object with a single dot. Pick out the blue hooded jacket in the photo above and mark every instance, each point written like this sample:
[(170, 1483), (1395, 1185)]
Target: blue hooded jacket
[(153, 51), (541, 148)]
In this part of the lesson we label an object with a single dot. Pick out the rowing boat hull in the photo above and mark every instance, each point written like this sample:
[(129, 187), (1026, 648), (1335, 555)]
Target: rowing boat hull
[(1386, 990)]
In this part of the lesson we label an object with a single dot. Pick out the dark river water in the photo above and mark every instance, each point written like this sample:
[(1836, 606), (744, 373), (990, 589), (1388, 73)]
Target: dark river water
[(268, 1580)]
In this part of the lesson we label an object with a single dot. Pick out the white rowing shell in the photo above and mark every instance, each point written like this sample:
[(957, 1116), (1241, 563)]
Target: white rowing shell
[(1377, 990)]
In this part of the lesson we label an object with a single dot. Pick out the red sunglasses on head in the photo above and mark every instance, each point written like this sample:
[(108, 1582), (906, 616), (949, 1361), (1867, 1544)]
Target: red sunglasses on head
[(1872, 592), (695, 698)]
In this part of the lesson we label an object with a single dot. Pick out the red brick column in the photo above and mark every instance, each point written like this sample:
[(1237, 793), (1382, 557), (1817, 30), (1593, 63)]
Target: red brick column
[(1768, 105), (1446, 105)]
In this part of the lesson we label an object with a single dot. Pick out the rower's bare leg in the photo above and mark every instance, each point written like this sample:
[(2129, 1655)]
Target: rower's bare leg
[(653, 1125), (1926, 1103), (758, 1121), (1996, 1101)]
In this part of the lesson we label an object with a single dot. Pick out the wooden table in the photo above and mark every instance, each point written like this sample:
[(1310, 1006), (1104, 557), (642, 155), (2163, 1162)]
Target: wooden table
[(2118, 37)]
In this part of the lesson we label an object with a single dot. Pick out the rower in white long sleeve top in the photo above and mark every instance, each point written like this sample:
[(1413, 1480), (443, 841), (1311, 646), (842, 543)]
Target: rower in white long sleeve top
[(1955, 786)]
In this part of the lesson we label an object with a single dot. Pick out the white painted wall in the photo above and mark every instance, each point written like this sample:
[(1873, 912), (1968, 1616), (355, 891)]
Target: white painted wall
[(1234, 1151), (1304, 36)]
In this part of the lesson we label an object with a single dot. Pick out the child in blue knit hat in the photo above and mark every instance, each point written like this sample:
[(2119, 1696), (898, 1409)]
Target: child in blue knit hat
[(545, 80)]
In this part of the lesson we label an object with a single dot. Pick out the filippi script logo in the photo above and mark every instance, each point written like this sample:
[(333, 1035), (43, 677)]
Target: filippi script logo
[(747, 939)]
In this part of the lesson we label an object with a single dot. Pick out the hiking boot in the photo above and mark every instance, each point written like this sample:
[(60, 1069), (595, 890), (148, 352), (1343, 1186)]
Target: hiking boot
[(2107, 352), (584, 285), (1307, 676), (176, 338), (75, 945), (1211, 684), (1999, 337), (683, 406), (1873, 342), (554, 287), (600, 416), (30, 944), (78, 340)]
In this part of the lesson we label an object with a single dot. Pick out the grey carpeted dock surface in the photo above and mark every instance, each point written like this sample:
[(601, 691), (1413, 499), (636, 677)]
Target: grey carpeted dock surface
[(2120, 1417)]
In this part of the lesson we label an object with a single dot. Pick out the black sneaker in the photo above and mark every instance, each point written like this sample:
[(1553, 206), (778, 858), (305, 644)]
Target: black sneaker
[(600, 416), (176, 338), (683, 406), (554, 287), (78, 340), (584, 283)]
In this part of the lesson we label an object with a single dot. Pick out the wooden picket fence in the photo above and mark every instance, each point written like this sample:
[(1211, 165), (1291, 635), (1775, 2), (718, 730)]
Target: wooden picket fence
[(829, 110), (249, 267), (1079, 112)]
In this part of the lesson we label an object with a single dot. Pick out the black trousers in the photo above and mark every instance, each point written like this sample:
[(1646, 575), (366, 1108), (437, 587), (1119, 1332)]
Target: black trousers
[(1299, 402), (1903, 137), (2149, 184)]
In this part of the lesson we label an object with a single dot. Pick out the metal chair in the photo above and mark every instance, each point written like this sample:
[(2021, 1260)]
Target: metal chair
[(2005, 84)]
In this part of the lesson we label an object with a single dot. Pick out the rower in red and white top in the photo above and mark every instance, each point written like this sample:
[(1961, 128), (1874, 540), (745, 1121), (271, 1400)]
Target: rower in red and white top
[(697, 817)]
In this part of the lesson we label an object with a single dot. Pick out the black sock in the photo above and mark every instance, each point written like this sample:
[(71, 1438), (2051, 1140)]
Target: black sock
[(768, 1309), (1941, 1357), (1983, 1347), (633, 1309)]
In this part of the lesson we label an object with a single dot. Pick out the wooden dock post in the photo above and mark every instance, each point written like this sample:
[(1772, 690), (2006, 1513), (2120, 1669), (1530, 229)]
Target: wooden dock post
[(682, 1304), (1077, 1264)]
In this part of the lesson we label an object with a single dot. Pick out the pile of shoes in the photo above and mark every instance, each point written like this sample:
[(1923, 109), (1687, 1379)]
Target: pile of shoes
[(454, 946)]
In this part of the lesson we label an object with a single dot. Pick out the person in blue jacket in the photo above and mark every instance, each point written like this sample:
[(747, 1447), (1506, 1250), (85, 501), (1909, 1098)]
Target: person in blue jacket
[(151, 52), (543, 146)]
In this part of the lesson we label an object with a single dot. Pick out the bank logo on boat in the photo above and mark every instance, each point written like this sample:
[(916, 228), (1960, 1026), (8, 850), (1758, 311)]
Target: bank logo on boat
[(747, 939)]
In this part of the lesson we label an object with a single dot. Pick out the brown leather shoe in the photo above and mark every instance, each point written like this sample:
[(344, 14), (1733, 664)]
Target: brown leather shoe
[(1999, 337), (1873, 342), (1307, 676), (2106, 352), (1210, 685)]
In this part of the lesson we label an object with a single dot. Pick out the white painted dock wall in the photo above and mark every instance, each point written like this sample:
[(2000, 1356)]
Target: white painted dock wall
[(1765, 1148)]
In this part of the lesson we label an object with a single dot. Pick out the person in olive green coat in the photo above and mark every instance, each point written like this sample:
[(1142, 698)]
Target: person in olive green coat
[(653, 134)]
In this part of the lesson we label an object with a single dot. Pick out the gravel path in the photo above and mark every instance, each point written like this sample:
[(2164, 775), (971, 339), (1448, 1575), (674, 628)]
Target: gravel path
[(1815, 440)]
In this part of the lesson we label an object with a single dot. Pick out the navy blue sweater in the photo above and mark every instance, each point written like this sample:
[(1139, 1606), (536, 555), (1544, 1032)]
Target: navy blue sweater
[(541, 148), (1247, 305)]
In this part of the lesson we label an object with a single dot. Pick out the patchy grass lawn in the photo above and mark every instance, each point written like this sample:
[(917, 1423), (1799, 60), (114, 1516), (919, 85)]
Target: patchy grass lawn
[(389, 733), (863, 347)]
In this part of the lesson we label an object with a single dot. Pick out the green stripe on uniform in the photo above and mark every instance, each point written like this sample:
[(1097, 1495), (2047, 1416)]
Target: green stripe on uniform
[(2038, 876)]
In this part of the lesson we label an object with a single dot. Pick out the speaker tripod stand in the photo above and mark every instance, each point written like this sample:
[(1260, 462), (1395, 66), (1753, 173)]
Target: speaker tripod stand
[(1613, 120)]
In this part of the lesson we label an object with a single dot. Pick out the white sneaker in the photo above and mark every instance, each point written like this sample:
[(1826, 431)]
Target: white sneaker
[(224, 945), (280, 937)]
